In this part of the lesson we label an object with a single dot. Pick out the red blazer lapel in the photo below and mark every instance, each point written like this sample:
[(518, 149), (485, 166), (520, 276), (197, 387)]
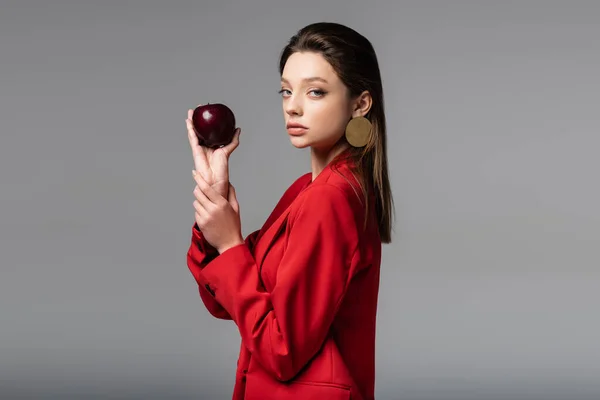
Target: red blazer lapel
[(286, 200), (275, 224), (262, 247)]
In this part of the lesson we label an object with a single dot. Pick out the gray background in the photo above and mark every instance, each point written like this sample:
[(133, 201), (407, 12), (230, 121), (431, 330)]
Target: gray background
[(490, 289)]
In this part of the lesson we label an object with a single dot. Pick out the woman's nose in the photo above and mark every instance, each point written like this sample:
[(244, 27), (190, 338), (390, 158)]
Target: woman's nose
[(293, 106)]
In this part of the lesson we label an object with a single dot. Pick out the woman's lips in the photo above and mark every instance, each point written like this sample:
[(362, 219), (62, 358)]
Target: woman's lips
[(295, 130)]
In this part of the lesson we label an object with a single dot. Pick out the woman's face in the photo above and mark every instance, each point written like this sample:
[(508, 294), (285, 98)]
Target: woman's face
[(314, 97)]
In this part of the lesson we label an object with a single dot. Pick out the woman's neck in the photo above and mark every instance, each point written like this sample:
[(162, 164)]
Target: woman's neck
[(321, 158)]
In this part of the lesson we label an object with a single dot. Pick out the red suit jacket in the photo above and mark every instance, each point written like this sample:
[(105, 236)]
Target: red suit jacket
[(302, 291)]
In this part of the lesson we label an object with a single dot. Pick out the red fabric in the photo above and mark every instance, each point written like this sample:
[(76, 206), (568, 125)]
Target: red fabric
[(303, 293)]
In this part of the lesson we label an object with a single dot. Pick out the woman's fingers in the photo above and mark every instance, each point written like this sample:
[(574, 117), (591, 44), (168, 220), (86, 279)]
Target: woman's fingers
[(200, 160), (235, 142), (208, 196), (200, 215), (232, 198), (201, 198)]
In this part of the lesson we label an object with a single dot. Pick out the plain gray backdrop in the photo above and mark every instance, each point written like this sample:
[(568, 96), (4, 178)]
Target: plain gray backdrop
[(490, 289)]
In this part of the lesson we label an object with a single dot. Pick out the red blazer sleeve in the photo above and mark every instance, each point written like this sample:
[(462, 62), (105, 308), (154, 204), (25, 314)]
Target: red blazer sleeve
[(285, 328), (200, 253)]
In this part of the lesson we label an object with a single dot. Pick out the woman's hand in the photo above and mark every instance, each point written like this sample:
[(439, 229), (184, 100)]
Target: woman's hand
[(217, 217), (212, 164)]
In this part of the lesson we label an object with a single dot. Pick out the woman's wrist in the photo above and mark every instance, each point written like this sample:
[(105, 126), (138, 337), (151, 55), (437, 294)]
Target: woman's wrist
[(228, 246)]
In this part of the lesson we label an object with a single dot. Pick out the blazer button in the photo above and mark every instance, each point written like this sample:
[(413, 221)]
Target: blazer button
[(212, 292)]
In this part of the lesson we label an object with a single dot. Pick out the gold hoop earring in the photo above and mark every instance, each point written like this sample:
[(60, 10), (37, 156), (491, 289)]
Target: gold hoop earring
[(358, 131)]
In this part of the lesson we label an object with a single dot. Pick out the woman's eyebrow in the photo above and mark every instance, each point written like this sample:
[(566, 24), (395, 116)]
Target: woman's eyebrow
[(311, 79)]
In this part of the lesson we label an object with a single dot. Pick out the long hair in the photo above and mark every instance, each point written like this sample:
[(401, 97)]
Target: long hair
[(353, 58)]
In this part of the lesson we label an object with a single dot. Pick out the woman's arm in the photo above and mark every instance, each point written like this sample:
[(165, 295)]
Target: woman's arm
[(285, 328), (201, 253)]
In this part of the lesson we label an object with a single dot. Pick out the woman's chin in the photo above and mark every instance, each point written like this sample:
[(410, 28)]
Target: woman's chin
[(299, 142)]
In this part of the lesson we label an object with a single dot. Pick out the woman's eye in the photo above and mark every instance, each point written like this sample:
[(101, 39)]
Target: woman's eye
[(314, 92)]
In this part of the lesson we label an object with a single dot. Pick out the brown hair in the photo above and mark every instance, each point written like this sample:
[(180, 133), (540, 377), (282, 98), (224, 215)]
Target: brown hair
[(353, 59)]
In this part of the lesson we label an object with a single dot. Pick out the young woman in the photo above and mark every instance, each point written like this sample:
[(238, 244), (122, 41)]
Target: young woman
[(303, 289)]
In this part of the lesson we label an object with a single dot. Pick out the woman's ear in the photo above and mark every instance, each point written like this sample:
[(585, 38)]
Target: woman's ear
[(362, 104)]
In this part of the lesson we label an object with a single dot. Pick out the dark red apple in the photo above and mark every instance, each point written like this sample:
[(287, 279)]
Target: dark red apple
[(214, 124)]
